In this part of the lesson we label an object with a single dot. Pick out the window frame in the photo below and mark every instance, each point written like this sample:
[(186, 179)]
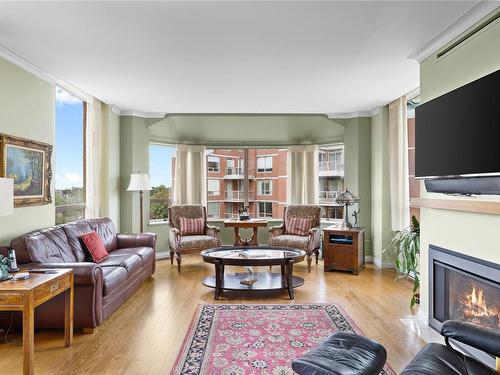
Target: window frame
[(265, 169), (266, 212), (165, 220), (218, 163), (213, 192), (81, 207)]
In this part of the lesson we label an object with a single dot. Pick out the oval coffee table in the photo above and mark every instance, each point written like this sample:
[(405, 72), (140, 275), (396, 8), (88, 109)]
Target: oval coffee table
[(253, 256)]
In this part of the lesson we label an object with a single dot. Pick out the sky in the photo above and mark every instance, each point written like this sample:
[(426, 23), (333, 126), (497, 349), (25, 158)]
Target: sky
[(160, 165), (69, 141)]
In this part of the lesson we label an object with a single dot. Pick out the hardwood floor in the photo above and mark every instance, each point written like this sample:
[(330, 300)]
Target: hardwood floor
[(144, 336)]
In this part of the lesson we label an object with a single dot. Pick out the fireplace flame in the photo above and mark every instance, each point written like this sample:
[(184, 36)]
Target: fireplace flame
[(477, 309)]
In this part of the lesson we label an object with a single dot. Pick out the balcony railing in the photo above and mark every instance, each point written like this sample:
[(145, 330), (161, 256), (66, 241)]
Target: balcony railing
[(238, 195), (333, 167), (328, 197), (237, 172)]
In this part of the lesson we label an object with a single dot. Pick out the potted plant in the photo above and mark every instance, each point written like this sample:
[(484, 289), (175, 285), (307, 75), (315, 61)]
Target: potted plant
[(404, 248)]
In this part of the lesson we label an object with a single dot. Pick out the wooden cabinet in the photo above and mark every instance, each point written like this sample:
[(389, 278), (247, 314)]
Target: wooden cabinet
[(343, 249)]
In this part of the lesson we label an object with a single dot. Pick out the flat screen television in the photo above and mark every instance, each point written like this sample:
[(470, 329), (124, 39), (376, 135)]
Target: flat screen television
[(458, 134)]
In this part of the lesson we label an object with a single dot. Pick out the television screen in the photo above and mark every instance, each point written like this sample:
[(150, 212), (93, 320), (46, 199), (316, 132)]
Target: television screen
[(459, 133)]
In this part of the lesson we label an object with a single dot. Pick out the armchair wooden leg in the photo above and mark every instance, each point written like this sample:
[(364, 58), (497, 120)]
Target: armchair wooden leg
[(309, 261), (317, 255), (171, 257), (179, 260)]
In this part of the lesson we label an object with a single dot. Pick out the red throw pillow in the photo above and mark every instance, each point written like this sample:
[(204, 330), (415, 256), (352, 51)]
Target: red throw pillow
[(191, 227), (95, 246), (298, 226)]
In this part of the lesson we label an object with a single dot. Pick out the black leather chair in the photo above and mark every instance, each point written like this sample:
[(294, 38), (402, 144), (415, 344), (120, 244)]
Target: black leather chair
[(347, 354)]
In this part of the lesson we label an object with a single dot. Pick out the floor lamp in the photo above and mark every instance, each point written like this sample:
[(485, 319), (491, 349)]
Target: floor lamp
[(139, 182)]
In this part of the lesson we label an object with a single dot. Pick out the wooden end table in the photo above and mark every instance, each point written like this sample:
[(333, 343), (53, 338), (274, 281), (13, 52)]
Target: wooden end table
[(244, 224), (343, 249), (25, 295)]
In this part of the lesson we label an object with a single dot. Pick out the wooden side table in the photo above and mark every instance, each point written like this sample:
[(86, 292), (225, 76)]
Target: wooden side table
[(237, 224), (343, 249), (25, 295)]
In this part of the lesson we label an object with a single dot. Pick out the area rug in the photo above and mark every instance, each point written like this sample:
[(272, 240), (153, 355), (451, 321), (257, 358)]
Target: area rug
[(257, 339)]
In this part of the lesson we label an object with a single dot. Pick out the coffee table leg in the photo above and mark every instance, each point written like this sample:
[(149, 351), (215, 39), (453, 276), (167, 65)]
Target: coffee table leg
[(219, 278), (289, 282)]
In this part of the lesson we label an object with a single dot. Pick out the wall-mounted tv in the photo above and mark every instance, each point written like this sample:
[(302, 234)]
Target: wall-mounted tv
[(458, 134)]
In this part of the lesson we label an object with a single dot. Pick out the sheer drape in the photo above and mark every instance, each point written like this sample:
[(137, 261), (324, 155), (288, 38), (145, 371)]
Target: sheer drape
[(398, 165), (190, 175), (93, 158), (303, 174)]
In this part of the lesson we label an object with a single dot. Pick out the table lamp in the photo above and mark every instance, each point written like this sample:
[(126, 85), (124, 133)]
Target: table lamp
[(347, 199), (139, 182)]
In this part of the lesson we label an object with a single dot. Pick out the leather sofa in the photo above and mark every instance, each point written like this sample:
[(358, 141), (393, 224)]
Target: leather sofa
[(100, 288)]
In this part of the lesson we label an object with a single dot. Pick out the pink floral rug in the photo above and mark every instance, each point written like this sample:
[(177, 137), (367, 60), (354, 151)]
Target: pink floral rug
[(257, 339)]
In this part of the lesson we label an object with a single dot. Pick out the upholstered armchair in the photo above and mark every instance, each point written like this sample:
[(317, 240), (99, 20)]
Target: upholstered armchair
[(191, 240), (309, 240)]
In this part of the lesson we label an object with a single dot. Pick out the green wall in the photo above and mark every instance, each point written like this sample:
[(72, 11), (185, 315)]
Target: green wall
[(459, 231), (27, 109), (357, 169), (380, 183)]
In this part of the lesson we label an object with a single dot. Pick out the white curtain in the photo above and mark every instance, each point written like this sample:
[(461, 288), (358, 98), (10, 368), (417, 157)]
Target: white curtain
[(93, 157), (303, 174), (190, 175), (398, 165)]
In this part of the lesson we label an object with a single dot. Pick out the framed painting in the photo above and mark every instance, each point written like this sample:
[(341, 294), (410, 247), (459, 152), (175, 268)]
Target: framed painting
[(28, 163)]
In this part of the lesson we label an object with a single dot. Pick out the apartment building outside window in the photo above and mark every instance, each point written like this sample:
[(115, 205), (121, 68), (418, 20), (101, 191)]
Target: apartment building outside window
[(265, 209), (213, 187), (70, 199), (213, 164), (331, 180), (213, 210), (265, 164), (264, 187)]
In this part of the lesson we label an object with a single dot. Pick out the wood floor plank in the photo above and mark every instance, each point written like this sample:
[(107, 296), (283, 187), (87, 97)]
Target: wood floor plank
[(144, 336)]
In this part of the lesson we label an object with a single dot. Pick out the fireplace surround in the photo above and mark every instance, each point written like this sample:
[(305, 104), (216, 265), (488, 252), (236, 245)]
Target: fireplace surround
[(464, 288)]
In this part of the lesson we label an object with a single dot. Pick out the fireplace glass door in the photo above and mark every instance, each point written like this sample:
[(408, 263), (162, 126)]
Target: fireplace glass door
[(472, 300)]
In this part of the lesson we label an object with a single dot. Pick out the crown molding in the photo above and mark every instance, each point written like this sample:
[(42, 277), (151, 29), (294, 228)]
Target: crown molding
[(333, 116), (39, 73), (464, 22), (128, 112)]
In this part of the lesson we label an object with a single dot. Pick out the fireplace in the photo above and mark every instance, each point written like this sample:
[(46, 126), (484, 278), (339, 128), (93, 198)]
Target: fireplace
[(463, 288)]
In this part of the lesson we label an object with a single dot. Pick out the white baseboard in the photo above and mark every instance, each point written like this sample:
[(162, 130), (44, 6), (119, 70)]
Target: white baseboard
[(162, 255), (379, 262)]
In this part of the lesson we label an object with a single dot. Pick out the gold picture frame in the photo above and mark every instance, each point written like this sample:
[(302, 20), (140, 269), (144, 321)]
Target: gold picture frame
[(29, 164)]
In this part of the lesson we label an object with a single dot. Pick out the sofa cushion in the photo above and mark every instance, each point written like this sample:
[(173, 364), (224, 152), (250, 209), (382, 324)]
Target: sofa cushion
[(106, 230), (289, 240), (132, 263), (113, 278), (73, 232), (198, 242), (49, 246), (95, 246), (146, 253)]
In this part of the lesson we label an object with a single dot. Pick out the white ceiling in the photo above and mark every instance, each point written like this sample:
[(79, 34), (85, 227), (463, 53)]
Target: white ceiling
[(230, 57)]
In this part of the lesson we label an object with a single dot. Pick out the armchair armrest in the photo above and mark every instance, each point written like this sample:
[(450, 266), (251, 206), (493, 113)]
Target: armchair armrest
[(277, 230), (174, 238), (482, 338), (84, 273), (212, 230), (124, 240)]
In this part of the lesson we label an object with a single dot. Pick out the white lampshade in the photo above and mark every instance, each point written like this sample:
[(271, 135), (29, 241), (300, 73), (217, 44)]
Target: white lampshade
[(6, 196), (138, 182)]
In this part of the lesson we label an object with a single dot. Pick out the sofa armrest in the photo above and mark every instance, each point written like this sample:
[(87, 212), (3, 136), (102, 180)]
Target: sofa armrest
[(124, 240), (482, 338), (84, 273)]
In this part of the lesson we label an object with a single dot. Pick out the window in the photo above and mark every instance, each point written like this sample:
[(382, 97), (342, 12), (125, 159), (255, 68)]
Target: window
[(213, 163), (161, 161), (265, 164), (213, 187), (331, 180), (264, 187), (213, 210), (229, 189), (70, 157), (265, 209)]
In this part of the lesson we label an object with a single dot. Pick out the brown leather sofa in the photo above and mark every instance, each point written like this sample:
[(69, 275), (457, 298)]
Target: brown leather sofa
[(100, 288)]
